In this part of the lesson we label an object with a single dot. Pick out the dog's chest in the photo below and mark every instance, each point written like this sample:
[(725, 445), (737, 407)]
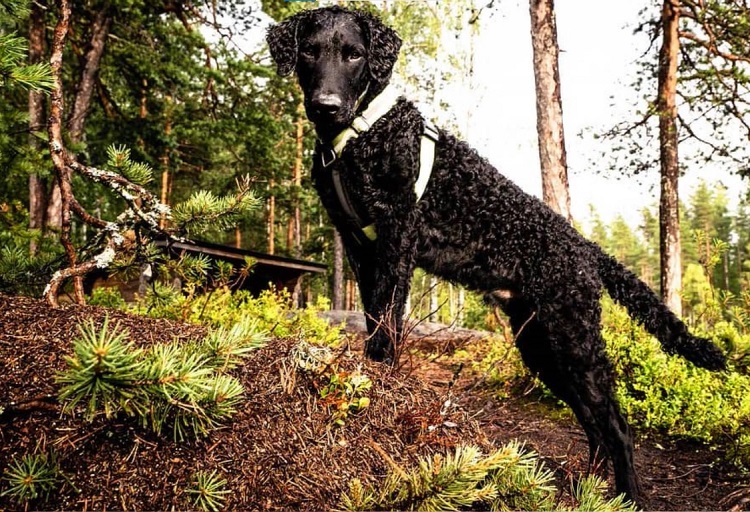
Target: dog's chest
[(346, 190)]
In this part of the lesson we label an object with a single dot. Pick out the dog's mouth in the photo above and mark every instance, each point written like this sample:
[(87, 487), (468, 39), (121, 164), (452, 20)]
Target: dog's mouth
[(329, 122)]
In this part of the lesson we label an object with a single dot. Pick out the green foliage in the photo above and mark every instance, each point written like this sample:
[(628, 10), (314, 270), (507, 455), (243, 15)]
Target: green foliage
[(13, 56), (341, 392), (660, 394), (507, 479), (102, 370), (668, 395), (272, 311), (589, 493), (31, 477), (106, 297), (205, 211), (182, 384), (20, 270), (345, 393), (118, 158), (208, 491)]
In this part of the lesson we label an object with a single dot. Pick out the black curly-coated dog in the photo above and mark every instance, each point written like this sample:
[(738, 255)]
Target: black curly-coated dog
[(401, 195)]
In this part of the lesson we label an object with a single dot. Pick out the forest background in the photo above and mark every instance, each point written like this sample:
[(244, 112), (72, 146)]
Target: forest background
[(187, 89), (126, 120)]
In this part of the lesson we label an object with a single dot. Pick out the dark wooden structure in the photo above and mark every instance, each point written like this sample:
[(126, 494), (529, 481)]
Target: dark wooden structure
[(268, 270)]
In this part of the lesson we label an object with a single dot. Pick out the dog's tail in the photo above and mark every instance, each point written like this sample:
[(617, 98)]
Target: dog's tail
[(644, 305)]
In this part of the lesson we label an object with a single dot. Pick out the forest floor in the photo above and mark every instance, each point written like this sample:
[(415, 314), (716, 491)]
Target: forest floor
[(280, 451)]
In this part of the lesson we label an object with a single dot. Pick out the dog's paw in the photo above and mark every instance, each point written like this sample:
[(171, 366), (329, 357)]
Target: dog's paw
[(379, 349)]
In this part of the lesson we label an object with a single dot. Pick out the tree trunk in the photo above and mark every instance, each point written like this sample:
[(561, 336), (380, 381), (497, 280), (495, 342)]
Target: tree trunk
[(37, 184), (297, 179), (669, 213), (339, 293), (549, 124), (166, 179), (85, 89), (434, 306), (57, 153), (271, 219)]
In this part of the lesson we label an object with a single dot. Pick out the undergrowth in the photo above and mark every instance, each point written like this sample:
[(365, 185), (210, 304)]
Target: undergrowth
[(507, 479), (182, 385), (272, 311), (661, 395)]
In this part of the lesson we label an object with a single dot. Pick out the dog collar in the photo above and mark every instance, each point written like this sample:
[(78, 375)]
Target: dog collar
[(377, 108)]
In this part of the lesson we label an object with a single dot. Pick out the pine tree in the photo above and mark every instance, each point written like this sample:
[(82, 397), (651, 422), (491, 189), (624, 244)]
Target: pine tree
[(14, 71)]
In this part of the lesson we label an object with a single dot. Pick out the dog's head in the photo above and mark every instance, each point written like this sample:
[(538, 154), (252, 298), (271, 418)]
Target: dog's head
[(339, 56)]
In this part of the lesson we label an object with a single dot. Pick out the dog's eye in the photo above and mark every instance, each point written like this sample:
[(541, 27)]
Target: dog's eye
[(307, 51), (353, 54)]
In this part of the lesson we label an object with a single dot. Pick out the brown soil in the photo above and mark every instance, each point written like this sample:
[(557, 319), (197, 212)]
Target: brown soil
[(279, 451)]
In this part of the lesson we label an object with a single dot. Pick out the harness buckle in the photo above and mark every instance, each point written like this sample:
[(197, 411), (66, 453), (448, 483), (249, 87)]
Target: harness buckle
[(331, 156)]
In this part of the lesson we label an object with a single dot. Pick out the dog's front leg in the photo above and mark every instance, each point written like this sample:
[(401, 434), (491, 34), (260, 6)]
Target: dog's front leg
[(383, 274)]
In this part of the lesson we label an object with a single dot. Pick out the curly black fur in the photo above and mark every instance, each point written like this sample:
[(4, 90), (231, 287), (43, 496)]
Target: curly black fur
[(475, 227)]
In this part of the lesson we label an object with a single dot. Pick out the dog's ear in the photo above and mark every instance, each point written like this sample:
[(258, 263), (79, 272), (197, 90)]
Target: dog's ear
[(282, 41), (384, 47)]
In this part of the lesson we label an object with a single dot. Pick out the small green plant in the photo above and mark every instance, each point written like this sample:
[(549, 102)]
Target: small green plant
[(106, 297), (589, 493), (31, 477), (507, 479), (182, 384), (345, 394), (102, 370), (208, 491)]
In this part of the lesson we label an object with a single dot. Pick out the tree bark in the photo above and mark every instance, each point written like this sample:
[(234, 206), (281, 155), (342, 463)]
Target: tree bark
[(549, 124), (37, 184), (432, 314), (85, 90), (669, 213), (271, 219), (166, 178), (339, 293), (297, 179)]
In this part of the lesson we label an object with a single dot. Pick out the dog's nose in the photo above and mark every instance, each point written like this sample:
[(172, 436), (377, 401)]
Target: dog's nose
[(327, 103)]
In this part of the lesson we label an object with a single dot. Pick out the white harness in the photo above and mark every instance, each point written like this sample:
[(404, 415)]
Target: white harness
[(377, 108)]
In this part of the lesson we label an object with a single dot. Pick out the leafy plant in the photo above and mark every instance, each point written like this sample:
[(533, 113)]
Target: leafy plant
[(345, 393), (208, 492), (272, 311), (32, 476), (668, 395)]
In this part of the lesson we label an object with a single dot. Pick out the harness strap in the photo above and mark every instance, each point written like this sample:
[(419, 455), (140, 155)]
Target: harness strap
[(377, 108), (329, 153)]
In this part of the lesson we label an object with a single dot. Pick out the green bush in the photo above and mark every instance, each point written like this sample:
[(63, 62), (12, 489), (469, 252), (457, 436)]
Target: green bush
[(666, 394), (659, 394), (272, 311), (106, 297)]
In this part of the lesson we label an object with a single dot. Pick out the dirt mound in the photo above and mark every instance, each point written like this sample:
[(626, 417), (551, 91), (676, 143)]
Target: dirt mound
[(280, 451)]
